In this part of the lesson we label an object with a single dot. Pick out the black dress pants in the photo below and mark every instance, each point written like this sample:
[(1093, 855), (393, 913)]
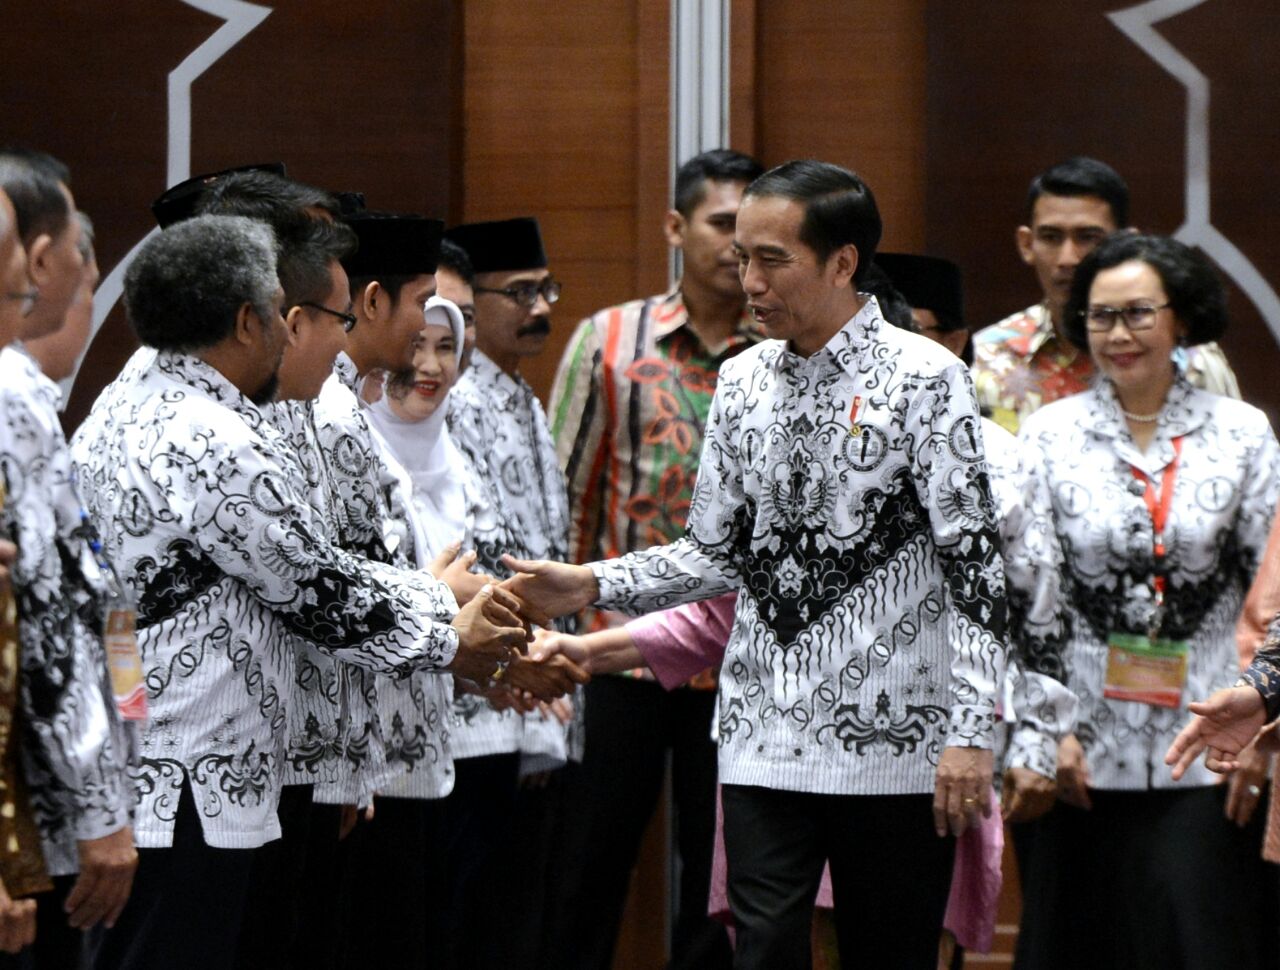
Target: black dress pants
[(186, 907), (890, 877), (631, 725)]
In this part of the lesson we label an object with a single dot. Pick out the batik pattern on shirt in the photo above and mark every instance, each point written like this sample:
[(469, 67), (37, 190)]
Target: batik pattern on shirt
[(500, 428), (1085, 568), (194, 494), (841, 493), (75, 748), (628, 410), (1021, 364), (410, 742)]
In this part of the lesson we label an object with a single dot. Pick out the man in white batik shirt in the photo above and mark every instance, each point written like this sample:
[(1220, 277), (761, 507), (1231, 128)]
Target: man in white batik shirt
[(501, 428), (843, 491), (195, 496)]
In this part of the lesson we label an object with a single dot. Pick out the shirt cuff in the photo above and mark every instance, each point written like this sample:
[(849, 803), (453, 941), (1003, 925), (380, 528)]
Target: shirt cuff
[(972, 727), (1033, 750)]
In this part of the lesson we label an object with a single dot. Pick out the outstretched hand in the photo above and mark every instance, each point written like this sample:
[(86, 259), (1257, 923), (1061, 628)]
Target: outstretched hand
[(489, 635), (556, 588), (1222, 727), (545, 679)]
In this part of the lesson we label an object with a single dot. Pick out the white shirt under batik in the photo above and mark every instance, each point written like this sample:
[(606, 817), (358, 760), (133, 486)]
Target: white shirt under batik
[(499, 426), (845, 495), (1085, 567), (75, 748), (194, 494), (414, 758)]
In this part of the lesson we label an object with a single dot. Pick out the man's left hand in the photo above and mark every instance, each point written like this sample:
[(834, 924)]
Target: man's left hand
[(107, 866), (545, 679), (963, 789)]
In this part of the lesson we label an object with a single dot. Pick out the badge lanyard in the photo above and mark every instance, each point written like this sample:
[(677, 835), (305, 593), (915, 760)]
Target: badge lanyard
[(1158, 504), (119, 634)]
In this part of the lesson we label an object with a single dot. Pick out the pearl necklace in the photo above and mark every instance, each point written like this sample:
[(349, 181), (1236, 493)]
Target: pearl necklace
[(1142, 418)]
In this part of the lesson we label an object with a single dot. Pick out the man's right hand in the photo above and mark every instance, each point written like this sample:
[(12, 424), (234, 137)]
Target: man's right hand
[(489, 633), (555, 588), (1026, 795)]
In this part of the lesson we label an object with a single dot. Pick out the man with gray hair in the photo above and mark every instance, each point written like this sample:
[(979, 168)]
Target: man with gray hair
[(201, 505)]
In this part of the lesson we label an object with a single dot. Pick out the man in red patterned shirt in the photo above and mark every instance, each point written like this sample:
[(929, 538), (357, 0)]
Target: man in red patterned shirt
[(627, 411), (1024, 362)]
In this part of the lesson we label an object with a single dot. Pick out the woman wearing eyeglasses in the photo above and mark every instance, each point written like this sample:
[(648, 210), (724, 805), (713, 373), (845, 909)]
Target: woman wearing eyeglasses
[(1149, 504)]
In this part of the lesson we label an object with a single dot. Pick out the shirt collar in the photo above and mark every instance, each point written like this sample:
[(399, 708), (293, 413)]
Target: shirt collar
[(1184, 411), (848, 344), (207, 379), (347, 372), (670, 315)]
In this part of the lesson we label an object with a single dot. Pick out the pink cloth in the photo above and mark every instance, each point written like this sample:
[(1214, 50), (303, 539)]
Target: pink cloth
[(681, 642), (975, 882)]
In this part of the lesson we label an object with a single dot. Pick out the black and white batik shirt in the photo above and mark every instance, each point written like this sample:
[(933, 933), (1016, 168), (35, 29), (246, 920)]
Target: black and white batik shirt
[(846, 496), (1085, 566), (411, 754), (499, 426), (194, 494), (75, 749)]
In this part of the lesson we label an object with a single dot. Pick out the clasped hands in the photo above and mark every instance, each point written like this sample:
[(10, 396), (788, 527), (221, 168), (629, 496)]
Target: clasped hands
[(495, 623)]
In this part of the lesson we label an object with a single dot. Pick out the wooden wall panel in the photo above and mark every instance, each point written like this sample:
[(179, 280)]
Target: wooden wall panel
[(845, 81)]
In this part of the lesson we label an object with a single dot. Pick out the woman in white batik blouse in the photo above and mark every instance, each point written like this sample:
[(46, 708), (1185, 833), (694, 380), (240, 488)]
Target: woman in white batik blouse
[(1148, 505)]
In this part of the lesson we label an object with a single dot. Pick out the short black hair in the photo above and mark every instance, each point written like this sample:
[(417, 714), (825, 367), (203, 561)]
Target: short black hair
[(185, 287), (717, 165), (34, 188), (455, 259), (1192, 286), (839, 208), (305, 259), (1080, 176)]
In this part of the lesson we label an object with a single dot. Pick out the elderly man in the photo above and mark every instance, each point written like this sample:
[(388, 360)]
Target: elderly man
[(201, 507), (77, 749), (842, 487)]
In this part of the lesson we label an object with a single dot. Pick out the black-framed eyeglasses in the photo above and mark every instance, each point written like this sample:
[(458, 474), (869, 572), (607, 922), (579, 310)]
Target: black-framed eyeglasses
[(526, 294), (1140, 316), (348, 319)]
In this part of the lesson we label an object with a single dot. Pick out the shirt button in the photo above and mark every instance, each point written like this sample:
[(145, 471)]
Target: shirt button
[(799, 752)]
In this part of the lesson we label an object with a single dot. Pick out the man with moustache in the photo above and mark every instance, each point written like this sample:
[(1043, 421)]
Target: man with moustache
[(629, 405), (76, 748), (1025, 362), (198, 502), (505, 829)]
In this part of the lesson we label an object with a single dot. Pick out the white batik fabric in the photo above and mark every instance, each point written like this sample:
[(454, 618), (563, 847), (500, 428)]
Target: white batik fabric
[(1038, 710), (1084, 566), (75, 748), (414, 758), (195, 496), (846, 496), (499, 426)]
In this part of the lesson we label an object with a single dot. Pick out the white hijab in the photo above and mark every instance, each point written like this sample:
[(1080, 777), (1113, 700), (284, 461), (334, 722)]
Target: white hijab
[(435, 467)]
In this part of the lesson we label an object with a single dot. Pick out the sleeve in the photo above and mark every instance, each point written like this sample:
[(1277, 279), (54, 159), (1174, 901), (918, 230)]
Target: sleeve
[(680, 643), (705, 561), (1263, 601), (1207, 369), (1038, 626), (952, 483), (236, 503), (579, 426), (1253, 527), (1263, 672)]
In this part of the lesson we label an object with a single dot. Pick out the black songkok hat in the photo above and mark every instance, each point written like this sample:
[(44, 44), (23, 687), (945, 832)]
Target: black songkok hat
[(496, 247), (393, 245), (926, 283), (178, 203)]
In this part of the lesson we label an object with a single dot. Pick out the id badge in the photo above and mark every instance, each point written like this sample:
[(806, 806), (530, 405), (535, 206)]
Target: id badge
[(125, 664), (1145, 670)]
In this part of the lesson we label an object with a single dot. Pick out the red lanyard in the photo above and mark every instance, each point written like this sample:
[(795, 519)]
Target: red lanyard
[(1158, 505)]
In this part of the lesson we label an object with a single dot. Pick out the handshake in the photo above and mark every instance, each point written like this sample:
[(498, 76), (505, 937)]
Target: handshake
[(496, 620)]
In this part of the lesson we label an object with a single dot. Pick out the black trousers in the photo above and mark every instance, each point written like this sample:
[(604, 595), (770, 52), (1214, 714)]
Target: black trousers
[(631, 725), (1147, 879), (292, 903), (478, 826), (394, 896), (186, 906), (890, 877)]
